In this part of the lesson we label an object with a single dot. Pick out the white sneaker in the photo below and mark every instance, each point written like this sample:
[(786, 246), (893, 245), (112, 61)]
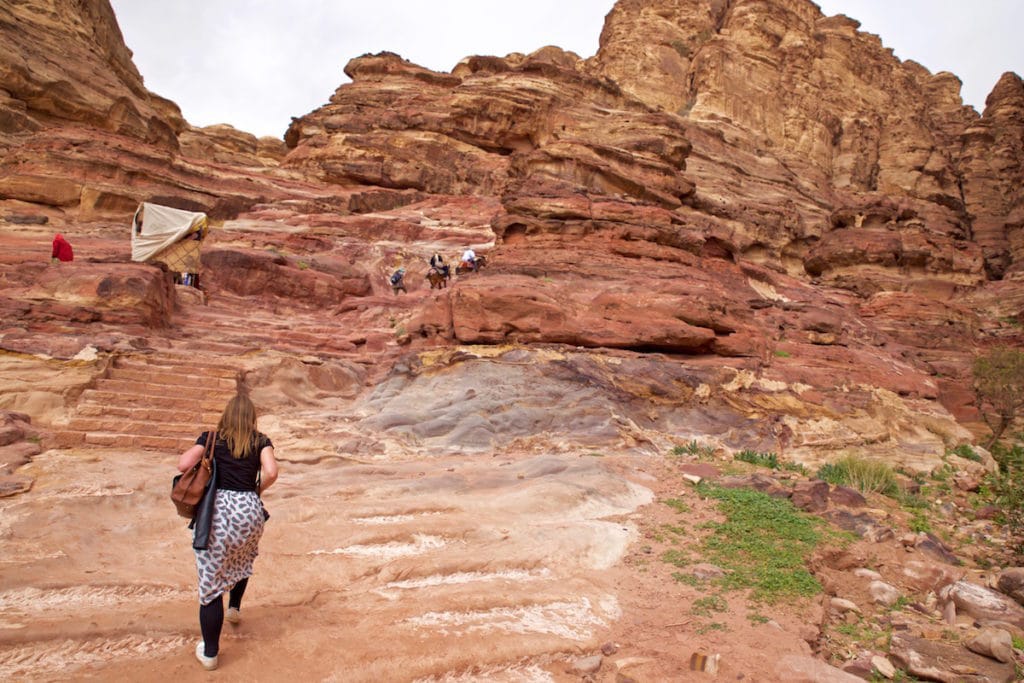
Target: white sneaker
[(232, 616), (209, 663)]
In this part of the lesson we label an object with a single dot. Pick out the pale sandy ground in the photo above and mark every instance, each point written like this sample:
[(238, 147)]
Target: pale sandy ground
[(472, 568)]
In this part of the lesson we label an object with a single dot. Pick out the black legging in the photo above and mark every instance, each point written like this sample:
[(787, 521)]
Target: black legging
[(211, 617)]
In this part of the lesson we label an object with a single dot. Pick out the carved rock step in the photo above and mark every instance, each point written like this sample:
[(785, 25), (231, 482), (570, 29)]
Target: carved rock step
[(167, 392), (140, 428), (176, 364), (163, 413), (172, 377), (71, 439), (156, 399)]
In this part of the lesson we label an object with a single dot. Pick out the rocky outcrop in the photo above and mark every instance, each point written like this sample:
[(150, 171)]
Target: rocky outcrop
[(81, 134), (747, 184)]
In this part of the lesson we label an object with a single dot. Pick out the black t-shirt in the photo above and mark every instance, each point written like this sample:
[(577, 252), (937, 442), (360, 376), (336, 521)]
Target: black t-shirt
[(237, 474)]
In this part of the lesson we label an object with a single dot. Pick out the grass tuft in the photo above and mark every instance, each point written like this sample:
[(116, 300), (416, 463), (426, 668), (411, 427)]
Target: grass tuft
[(769, 460), (966, 452), (867, 476)]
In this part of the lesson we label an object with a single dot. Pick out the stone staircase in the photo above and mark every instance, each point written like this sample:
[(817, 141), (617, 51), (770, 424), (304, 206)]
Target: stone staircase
[(150, 402)]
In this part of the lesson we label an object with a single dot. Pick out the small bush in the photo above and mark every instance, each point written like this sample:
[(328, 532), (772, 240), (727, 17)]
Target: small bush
[(703, 607), (966, 452), (694, 448), (864, 475), (1007, 490), (677, 504), (782, 354), (769, 460), (676, 558)]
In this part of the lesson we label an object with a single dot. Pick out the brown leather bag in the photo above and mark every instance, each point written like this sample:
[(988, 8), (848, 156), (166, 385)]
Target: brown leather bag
[(187, 489)]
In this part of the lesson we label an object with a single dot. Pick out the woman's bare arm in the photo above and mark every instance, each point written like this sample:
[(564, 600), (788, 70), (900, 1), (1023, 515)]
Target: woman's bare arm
[(189, 458), (268, 465)]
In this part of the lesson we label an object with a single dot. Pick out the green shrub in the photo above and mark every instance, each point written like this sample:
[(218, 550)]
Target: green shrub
[(676, 558), (1007, 490), (966, 452), (999, 386), (866, 476), (769, 460), (694, 448), (763, 544), (677, 504), (703, 607)]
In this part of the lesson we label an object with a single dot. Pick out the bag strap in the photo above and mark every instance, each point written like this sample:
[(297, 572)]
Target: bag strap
[(211, 443)]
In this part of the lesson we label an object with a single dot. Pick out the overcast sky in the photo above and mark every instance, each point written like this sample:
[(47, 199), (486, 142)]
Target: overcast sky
[(258, 63)]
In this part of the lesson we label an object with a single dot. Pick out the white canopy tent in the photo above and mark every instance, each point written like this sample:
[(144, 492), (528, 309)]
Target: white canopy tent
[(173, 236)]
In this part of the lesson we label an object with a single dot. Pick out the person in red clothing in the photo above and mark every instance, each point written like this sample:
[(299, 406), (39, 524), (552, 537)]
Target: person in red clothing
[(62, 249)]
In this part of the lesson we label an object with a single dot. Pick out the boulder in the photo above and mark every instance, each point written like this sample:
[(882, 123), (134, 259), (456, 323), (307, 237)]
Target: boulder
[(804, 669), (983, 604), (938, 661), (1011, 582), (994, 643)]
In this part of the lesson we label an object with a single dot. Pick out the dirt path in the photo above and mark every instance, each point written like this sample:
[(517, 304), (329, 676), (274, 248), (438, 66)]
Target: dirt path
[(436, 570)]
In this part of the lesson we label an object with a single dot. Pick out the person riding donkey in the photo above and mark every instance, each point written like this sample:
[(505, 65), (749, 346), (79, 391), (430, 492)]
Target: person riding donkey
[(397, 281), (469, 258), (437, 263)]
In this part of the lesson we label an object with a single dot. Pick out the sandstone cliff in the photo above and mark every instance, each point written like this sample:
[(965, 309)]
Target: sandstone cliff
[(746, 181), (742, 225)]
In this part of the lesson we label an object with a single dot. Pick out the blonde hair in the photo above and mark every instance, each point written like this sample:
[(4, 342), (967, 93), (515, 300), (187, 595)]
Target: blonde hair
[(237, 424)]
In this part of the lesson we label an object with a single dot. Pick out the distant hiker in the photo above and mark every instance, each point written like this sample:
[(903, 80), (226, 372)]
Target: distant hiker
[(227, 537), (469, 258), (438, 264), (397, 280), (61, 250)]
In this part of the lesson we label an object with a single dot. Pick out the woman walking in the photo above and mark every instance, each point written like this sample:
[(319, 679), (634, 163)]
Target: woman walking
[(245, 467)]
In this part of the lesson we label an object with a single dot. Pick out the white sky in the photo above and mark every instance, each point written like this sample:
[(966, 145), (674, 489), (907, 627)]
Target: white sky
[(256, 64)]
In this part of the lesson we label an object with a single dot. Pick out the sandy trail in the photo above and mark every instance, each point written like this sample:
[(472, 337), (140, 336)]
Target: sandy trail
[(448, 569)]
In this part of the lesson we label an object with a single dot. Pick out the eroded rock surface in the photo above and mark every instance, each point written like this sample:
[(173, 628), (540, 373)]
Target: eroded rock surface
[(742, 225)]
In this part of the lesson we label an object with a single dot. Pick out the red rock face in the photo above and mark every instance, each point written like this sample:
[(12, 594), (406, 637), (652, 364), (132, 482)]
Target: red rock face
[(748, 186)]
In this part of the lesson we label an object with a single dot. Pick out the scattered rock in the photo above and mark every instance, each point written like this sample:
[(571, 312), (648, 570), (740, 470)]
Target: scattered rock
[(692, 478), (811, 496), (983, 604), (804, 669), (861, 667), (967, 482), (847, 497), (12, 485), (883, 666), (843, 605), (930, 545), (949, 613), (883, 593), (922, 576), (993, 642), (865, 573), (608, 649), (862, 524), (937, 661), (587, 665), (1011, 582)]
